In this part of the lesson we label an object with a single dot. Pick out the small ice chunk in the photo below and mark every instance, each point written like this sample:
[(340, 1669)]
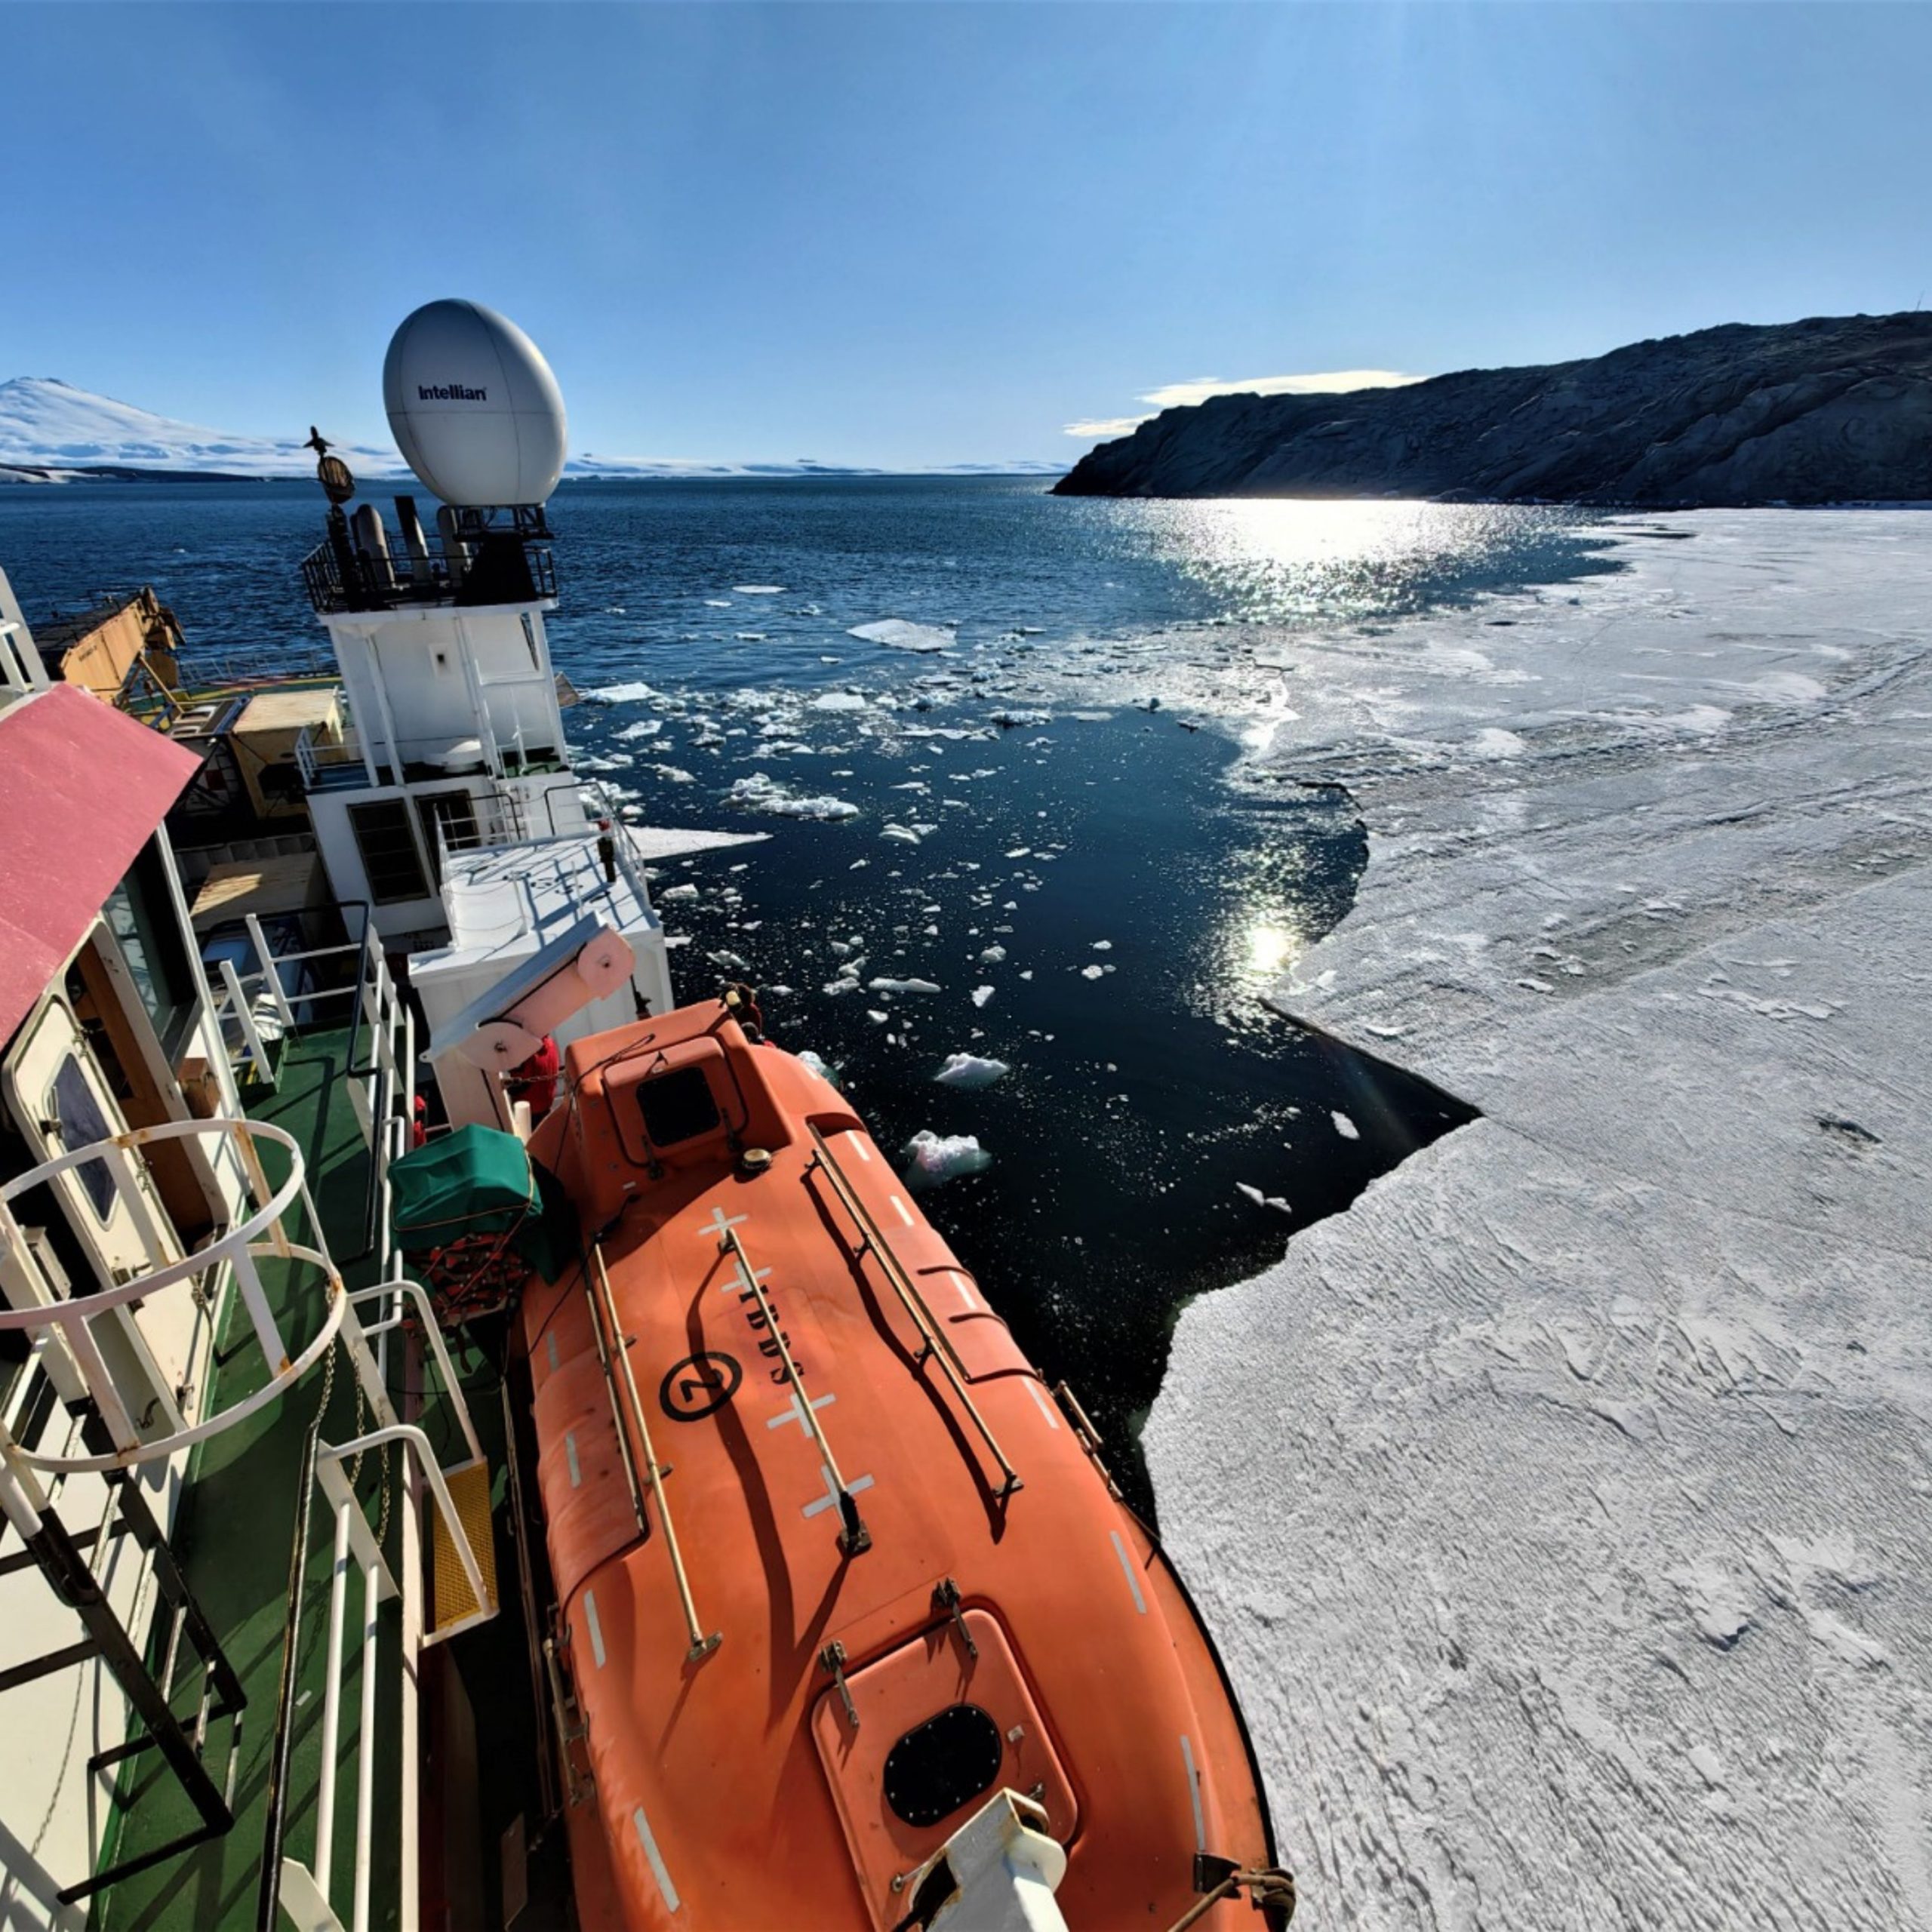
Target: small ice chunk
[(1103, 945), (648, 727), (629, 694), (758, 590), (759, 791), (729, 961), (981, 995), (1260, 1200), (905, 834), (877, 1018), (937, 1158), (1345, 1127), (811, 1061), (901, 986), (838, 700), (1092, 972), (676, 892), (902, 635), (994, 955), (969, 1070)]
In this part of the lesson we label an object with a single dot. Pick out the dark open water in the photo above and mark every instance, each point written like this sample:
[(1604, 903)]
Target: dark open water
[(1145, 888)]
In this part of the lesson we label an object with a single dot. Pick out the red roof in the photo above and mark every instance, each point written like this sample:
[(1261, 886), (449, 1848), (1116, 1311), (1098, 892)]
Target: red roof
[(82, 788)]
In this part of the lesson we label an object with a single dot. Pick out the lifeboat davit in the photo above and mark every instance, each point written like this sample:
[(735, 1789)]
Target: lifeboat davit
[(854, 1630)]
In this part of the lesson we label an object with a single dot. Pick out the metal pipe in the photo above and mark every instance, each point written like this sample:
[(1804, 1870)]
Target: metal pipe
[(701, 1645), (332, 1706), (266, 1908), (365, 1763), (914, 1303), (853, 1536), (616, 1414)]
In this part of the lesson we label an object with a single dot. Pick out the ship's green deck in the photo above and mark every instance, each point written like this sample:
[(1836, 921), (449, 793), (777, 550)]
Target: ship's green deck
[(234, 1533)]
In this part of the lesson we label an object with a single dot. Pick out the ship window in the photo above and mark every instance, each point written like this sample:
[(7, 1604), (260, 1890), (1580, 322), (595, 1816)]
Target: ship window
[(78, 1121), (140, 913), (943, 1764), (387, 844), (677, 1106)]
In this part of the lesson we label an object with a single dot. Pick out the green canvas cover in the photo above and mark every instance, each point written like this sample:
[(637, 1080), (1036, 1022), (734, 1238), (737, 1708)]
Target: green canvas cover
[(474, 1181)]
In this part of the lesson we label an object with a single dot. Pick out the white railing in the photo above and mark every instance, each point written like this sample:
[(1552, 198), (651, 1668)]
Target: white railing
[(64, 1327)]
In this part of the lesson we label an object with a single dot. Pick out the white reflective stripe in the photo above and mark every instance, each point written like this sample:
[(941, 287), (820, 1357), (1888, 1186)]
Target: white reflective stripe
[(1194, 1792), (657, 1858), (550, 1349), (1046, 1408), (905, 1212), (570, 1456), (596, 1630), (859, 1147), (1127, 1570), (965, 1287)]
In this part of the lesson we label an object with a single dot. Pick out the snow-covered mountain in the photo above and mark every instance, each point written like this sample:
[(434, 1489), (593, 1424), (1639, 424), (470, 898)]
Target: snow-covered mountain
[(46, 424), (51, 431)]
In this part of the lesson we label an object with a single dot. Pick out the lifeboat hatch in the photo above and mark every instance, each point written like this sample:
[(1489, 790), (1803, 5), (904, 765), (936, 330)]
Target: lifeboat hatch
[(938, 1728)]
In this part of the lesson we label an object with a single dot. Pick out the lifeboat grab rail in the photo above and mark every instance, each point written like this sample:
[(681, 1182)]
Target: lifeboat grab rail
[(873, 1241), (853, 1536), (701, 1645)]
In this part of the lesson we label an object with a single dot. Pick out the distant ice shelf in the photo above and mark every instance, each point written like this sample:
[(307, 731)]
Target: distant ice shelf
[(1562, 1509)]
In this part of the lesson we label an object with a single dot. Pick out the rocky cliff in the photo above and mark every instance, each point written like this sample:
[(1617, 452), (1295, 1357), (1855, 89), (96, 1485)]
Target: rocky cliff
[(1836, 409)]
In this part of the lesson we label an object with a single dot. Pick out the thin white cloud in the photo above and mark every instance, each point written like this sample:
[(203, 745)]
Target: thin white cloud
[(1331, 381), (1103, 429), (1175, 395)]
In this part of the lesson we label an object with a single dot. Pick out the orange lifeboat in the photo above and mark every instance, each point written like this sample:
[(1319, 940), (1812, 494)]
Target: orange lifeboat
[(834, 1568)]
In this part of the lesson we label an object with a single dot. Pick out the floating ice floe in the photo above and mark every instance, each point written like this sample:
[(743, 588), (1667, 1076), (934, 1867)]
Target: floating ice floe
[(901, 986), (1011, 721), (903, 833), (1345, 1127), (807, 1058), (729, 961), (968, 1070), (1103, 945), (758, 590), (634, 693), (839, 701), (994, 955), (671, 774), (1260, 1200), (1093, 972), (759, 791), (647, 728), (902, 635), (981, 994), (937, 1158)]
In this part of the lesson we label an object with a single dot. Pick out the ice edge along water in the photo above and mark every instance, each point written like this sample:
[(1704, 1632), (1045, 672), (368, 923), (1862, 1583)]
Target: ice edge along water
[(1563, 1507)]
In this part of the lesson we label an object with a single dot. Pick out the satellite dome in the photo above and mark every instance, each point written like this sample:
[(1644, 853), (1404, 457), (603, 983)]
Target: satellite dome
[(474, 407)]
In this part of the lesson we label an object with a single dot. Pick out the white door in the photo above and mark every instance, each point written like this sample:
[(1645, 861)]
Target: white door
[(57, 1096), (60, 1101)]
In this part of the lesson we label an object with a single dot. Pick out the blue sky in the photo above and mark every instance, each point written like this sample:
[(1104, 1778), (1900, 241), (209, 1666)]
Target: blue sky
[(916, 233)]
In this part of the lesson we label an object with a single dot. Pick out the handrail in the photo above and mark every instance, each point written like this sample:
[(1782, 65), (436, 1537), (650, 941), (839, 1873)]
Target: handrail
[(267, 1898), (936, 1344), (853, 1536), (701, 1645)]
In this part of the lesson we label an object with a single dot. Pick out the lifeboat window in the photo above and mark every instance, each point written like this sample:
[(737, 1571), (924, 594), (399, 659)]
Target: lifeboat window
[(677, 1106), (943, 1764)]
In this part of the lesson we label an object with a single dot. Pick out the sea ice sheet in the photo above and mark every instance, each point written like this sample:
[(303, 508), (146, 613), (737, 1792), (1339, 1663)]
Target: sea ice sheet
[(1563, 1509)]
